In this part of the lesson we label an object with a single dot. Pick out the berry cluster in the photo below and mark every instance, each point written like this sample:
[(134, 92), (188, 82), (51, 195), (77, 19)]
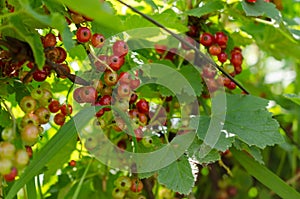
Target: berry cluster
[(61, 110), (12, 159), (127, 187), (54, 55), (216, 45)]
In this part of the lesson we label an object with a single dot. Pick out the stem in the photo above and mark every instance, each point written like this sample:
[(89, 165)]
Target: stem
[(102, 62), (58, 69), (12, 117), (40, 187), (75, 196), (221, 163), (204, 58)]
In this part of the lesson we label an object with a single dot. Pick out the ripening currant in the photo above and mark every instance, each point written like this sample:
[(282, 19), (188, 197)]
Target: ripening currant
[(83, 34), (206, 39), (49, 40), (54, 106), (123, 182), (97, 40), (120, 48), (28, 104)]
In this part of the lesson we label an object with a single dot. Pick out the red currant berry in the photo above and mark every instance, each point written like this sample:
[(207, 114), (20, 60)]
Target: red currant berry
[(105, 101), (66, 109), (124, 90), (236, 59), (30, 118), (83, 34), (134, 83), (12, 175), (138, 133), (54, 106), (193, 31), (59, 119), (137, 185), (215, 49), (190, 41), (160, 49), (43, 115), (29, 151), (238, 69), (62, 55), (120, 48), (39, 75), (110, 78), (98, 40), (77, 95), (100, 64), (49, 40), (206, 39), (88, 94), (222, 57), (171, 54), (124, 78), (231, 85), (221, 39), (133, 98), (115, 62), (251, 1), (30, 134), (100, 113), (209, 72), (72, 163), (143, 106)]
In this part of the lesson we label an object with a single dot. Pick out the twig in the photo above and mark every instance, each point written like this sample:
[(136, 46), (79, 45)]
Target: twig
[(102, 62), (202, 56), (59, 69)]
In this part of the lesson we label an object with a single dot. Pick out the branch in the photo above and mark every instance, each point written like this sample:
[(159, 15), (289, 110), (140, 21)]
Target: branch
[(204, 58), (59, 69)]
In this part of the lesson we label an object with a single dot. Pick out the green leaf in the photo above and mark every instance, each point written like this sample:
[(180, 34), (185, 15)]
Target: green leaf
[(102, 13), (32, 38), (223, 142), (273, 40), (209, 7), (165, 18), (248, 119), (194, 78), (66, 133), (62, 156), (293, 97), (210, 157), (55, 20), (152, 4), (177, 176), (78, 52), (6, 87), (31, 189), (261, 8), (21, 90), (252, 150), (5, 120), (265, 176)]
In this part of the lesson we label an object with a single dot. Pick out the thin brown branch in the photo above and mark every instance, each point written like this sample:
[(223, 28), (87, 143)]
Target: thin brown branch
[(59, 69)]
